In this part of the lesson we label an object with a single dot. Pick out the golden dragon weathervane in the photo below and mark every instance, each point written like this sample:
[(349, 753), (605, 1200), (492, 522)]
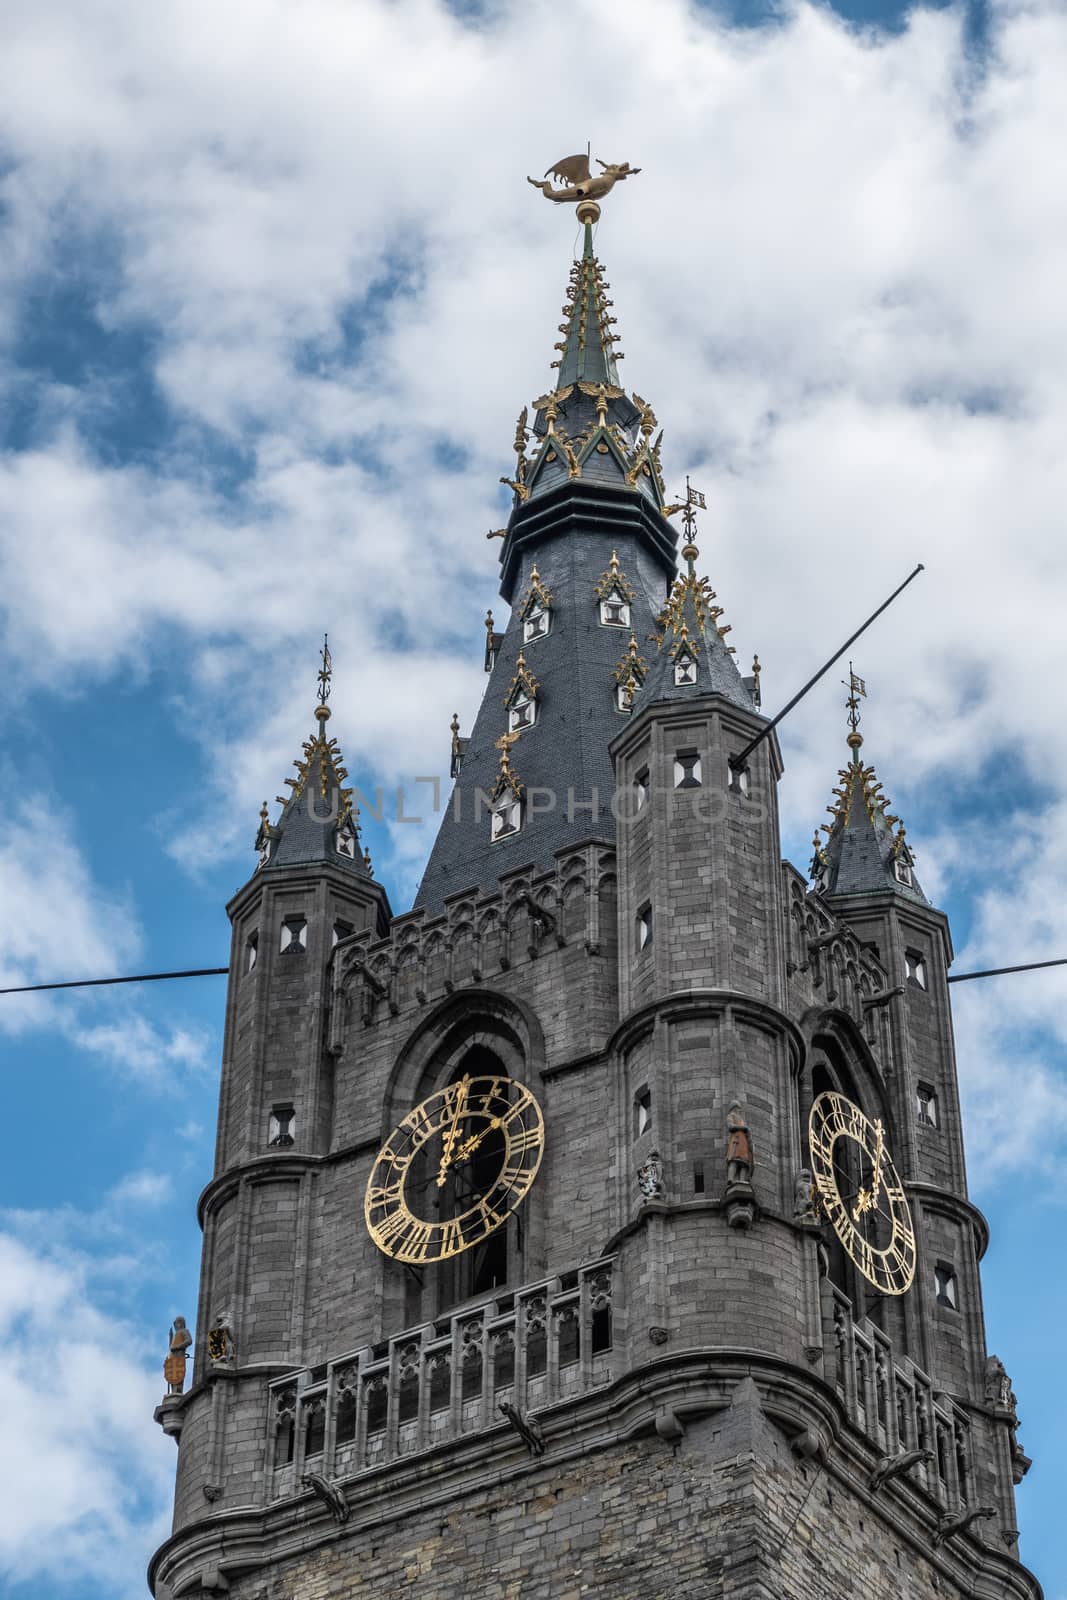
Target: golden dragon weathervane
[(578, 184)]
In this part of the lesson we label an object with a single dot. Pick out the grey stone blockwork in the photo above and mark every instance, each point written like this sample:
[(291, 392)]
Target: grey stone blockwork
[(636, 1314)]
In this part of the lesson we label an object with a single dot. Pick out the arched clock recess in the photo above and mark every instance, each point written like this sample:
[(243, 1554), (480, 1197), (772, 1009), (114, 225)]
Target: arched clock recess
[(848, 1138), (454, 1200)]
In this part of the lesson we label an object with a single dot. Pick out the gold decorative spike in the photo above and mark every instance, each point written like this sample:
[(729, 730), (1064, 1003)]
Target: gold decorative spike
[(522, 434), (367, 861), (601, 393), (325, 671), (523, 682), (507, 778), (550, 403), (614, 580), (631, 672), (648, 416)]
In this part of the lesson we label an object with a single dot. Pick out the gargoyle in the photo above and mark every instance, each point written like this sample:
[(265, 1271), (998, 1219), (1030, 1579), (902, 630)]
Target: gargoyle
[(527, 1428), (577, 180), (959, 1523), (890, 1467), (328, 1493)]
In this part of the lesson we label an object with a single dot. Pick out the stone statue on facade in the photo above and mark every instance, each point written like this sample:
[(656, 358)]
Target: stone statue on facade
[(220, 1340), (803, 1197), (650, 1177), (998, 1385), (739, 1153), (174, 1365), (739, 1197)]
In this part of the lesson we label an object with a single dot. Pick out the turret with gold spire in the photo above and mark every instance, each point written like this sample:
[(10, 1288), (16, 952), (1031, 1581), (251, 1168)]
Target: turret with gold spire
[(864, 850), (319, 820)]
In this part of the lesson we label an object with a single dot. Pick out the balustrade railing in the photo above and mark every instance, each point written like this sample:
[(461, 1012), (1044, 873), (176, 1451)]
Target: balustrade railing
[(543, 1343), (896, 1405)]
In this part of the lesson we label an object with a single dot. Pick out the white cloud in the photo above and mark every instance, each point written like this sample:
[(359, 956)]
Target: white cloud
[(90, 1474)]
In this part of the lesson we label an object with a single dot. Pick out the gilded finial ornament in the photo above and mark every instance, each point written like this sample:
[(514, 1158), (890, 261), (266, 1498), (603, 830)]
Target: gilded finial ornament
[(570, 181), (325, 675)]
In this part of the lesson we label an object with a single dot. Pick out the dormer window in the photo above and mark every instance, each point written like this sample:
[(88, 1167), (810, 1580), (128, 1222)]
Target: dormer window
[(264, 850), (902, 871), (522, 712), (535, 609), (521, 698), (624, 697), (346, 841), (615, 594), (685, 672), (507, 815), (615, 611), (535, 624)]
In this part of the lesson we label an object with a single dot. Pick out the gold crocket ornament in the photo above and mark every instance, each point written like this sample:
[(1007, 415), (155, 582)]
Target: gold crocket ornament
[(576, 184)]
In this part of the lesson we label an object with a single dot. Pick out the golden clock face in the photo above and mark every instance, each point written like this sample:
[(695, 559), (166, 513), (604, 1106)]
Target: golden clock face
[(861, 1193), (455, 1169)]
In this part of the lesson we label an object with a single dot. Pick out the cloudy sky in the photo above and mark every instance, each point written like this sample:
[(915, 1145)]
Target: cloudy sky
[(272, 291)]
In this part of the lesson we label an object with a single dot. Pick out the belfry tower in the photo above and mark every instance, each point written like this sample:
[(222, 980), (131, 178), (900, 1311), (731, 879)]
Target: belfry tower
[(599, 1226)]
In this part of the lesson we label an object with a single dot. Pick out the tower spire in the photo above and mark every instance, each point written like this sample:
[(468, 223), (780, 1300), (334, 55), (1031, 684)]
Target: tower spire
[(865, 850), (319, 819)]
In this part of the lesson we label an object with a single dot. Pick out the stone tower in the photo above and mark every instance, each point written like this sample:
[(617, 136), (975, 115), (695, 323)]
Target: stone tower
[(521, 1274)]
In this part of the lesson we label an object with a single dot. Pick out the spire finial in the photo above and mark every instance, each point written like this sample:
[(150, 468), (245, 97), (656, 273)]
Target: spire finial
[(694, 501), (577, 185), (322, 710), (857, 691)]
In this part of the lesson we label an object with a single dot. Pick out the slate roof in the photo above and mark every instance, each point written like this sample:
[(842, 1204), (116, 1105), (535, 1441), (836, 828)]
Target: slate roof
[(318, 814), (690, 631), (865, 844), (562, 762)]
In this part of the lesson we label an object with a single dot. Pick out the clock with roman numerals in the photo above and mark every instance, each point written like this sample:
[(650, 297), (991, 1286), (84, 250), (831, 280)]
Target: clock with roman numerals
[(454, 1170), (861, 1195)]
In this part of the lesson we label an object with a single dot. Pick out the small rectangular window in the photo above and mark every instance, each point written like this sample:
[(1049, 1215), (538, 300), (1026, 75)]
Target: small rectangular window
[(915, 968), (294, 935), (281, 1128), (535, 625), (739, 780), (641, 789), (945, 1287), (251, 951), (642, 1112), (507, 817), (615, 612), (341, 930), (687, 770), (698, 1177), (926, 1106), (522, 713), (644, 927)]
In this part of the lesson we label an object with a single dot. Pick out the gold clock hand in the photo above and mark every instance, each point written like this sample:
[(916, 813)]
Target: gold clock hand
[(469, 1146), (453, 1132), (879, 1160)]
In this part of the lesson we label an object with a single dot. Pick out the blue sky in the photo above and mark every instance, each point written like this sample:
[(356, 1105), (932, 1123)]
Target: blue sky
[(268, 308)]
